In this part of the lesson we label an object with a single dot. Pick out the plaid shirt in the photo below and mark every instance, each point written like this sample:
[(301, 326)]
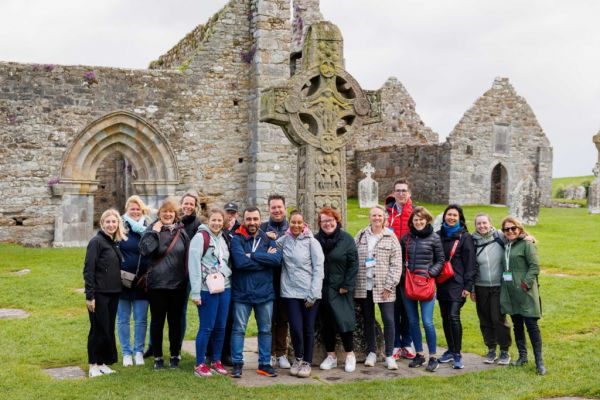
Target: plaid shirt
[(388, 267)]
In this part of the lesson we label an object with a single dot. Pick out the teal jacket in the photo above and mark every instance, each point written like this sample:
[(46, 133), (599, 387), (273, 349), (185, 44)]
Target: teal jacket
[(522, 262)]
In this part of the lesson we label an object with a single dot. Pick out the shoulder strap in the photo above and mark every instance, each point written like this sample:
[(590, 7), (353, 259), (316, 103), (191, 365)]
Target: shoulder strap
[(498, 240), (206, 242), (454, 248)]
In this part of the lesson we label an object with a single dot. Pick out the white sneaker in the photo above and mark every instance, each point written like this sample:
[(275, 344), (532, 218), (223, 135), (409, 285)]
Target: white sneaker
[(106, 370), (328, 363), (305, 370), (283, 362), (371, 360), (94, 372), (127, 361), (390, 363), (139, 358), (350, 364)]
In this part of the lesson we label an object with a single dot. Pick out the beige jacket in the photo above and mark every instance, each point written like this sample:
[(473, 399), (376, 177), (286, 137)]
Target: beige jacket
[(388, 267)]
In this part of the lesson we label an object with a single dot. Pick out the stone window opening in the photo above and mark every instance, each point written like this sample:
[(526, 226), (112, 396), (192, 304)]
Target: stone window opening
[(501, 138), (240, 160), (18, 221), (294, 62), (469, 150)]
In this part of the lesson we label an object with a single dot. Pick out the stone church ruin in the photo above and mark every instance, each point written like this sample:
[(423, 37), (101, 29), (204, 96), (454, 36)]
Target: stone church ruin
[(75, 140)]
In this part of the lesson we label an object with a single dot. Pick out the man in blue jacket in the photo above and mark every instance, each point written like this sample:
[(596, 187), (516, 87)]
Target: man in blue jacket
[(254, 256)]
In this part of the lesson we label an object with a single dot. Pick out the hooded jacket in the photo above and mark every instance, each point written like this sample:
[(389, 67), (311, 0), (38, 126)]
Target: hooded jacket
[(302, 273), (102, 266), (398, 219), (252, 281), (200, 265)]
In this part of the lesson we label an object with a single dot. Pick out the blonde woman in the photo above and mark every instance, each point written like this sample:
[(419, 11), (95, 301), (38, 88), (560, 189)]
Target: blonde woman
[(102, 276)]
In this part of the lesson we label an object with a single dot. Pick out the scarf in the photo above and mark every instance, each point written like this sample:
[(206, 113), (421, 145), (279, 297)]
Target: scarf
[(423, 233), (328, 242), (450, 230), (137, 226)]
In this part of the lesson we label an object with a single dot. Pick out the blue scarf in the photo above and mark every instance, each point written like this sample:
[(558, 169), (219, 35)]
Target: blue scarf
[(450, 230), (136, 226)]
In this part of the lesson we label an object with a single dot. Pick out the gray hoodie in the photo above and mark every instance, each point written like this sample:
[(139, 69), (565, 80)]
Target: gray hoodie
[(199, 266), (489, 258), (303, 266)]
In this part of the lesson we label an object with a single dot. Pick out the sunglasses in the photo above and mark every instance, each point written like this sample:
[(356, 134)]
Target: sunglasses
[(510, 229)]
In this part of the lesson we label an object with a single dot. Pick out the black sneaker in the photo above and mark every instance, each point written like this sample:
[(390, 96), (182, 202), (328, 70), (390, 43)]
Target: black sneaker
[(432, 364), (266, 370), (236, 372), (148, 353), (174, 362), (490, 357), (159, 363), (417, 362), (504, 358), (522, 360)]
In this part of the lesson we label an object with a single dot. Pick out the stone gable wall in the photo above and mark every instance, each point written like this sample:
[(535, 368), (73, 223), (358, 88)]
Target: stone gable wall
[(473, 154)]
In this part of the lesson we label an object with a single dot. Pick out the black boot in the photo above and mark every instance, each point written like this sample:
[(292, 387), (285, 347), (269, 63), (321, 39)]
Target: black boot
[(522, 347), (536, 343)]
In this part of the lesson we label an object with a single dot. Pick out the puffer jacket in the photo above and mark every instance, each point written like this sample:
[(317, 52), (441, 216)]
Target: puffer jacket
[(388, 265), (302, 273), (489, 255), (398, 219), (102, 266), (200, 265), (170, 271), (423, 254), (252, 281), (463, 264)]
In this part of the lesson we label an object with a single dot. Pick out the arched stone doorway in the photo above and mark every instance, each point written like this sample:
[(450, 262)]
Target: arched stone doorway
[(498, 192), (120, 137)]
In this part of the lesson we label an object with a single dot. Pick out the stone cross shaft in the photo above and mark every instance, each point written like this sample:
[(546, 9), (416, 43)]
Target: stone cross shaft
[(319, 109)]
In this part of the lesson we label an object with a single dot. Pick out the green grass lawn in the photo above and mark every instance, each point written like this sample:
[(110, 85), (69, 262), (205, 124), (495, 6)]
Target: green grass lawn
[(55, 333)]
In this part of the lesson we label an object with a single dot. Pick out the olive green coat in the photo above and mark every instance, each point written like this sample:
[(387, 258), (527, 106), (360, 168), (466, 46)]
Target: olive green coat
[(521, 260)]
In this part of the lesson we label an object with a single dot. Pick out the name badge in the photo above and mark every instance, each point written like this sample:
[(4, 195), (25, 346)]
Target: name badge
[(390, 229), (507, 276)]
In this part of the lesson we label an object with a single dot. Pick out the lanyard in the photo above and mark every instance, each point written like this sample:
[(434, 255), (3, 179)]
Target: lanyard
[(507, 256), (255, 244)]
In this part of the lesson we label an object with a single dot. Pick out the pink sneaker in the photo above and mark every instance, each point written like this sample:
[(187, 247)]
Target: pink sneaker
[(202, 370), (218, 368), (397, 353), (407, 353)]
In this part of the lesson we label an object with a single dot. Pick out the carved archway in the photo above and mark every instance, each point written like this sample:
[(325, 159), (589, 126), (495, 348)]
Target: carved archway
[(120, 132), (499, 185)]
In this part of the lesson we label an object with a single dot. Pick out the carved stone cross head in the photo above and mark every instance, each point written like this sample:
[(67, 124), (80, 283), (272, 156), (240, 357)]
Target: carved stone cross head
[(368, 170)]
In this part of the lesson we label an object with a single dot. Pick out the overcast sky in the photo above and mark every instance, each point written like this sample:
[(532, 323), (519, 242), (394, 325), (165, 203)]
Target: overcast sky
[(446, 53)]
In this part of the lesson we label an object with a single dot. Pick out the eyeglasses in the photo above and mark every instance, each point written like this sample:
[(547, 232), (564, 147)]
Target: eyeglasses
[(510, 229), (328, 221), (401, 190)]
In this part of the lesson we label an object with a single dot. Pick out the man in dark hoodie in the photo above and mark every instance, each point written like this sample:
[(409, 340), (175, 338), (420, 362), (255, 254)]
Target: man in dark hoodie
[(399, 206)]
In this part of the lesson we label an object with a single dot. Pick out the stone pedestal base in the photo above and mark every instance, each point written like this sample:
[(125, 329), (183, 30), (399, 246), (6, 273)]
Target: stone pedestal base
[(594, 197)]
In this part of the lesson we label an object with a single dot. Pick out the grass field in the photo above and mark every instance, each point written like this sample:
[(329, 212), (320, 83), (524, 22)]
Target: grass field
[(55, 333)]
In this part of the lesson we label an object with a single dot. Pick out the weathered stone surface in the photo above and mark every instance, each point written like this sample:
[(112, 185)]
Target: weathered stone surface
[(594, 189), (65, 373), (13, 313), (368, 188), (525, 201), (580, 192)]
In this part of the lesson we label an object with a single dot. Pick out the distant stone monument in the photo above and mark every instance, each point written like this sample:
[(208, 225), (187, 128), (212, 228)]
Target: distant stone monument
[(319, 110), (525, 201), (368, 189), (594, 189), (579, 193), (570, 192)]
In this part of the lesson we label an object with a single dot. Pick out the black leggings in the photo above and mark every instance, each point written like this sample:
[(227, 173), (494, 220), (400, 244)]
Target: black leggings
[(166, 303), (450, 311), (535, 336), (387, 315)]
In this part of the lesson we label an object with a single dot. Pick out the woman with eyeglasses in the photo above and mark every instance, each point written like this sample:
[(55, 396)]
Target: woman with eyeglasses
[(519, 293), (336, 311)]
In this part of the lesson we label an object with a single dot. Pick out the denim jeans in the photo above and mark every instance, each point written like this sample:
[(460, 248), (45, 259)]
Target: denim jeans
[(140, 324), (263, 312), (212, 314), (402, 337), (412, 311)]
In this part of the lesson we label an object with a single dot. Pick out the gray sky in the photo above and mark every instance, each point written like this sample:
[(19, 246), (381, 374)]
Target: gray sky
[(446, 53)]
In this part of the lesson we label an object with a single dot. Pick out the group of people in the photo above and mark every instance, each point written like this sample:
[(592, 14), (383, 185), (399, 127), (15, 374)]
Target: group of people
[(297, 280)]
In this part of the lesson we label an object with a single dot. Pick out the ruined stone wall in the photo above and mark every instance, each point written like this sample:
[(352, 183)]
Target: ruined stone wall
[(401, 125), (426, 168), (202, 111), (499, 128)]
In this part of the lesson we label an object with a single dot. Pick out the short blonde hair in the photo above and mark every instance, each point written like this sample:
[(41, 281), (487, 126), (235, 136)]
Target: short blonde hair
[(216, 210), (120, 233), (481, 214), (137, 200)]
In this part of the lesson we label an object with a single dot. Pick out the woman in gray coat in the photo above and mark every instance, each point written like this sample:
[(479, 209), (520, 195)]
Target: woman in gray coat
[(301, 285)]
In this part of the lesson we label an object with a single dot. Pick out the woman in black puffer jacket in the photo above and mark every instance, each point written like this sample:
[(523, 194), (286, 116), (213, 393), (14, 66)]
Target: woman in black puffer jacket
[(166, 244), (452, 293), (423, 254)]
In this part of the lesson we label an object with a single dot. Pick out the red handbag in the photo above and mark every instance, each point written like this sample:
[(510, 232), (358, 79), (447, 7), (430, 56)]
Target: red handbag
[(417, 287), (447, 270)]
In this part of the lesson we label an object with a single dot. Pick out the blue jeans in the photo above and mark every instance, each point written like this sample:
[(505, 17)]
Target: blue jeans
[(212, 314), (263, 313), (412, 311), (140, 324)]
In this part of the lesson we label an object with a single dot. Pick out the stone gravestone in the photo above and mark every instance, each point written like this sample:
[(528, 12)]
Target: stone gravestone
[(579, 193), (570, 192), (319, 109), (594, 189), (525, 201), (368, 189)]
